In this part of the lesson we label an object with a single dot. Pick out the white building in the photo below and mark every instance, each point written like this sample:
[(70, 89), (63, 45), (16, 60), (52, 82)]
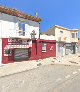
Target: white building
[(66, 39)]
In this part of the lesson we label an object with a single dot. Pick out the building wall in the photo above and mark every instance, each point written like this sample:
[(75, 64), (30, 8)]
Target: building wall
[(0, 50), (9, 26), (6, 59), (50, 46), (60, 49), (30, 26), (50, 31), (46, 37), (78, 49), (35, 52), (64, 36), (50, 50)]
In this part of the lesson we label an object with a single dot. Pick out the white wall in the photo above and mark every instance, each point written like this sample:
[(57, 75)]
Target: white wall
[(46, 37), (0, 51), (9, 26), (30, 26), (65, 33)]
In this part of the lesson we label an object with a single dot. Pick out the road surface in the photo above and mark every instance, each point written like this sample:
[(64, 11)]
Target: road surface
[(50, 78)]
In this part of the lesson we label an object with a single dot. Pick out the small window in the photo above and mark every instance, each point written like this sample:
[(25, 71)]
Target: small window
[(7, 52), (73, 35), (61, 31), (43, 47)]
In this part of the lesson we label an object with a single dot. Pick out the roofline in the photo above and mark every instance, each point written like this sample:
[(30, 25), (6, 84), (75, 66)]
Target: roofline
[(17, 13), (66, 28), (75, 30), (60, 27)]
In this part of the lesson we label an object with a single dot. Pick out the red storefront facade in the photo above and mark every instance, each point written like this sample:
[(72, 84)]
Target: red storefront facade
[(40, 49)]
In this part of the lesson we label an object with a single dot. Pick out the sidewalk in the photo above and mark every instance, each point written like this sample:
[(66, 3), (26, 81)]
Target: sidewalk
[(8, 69), (12, 68), (71, 59)]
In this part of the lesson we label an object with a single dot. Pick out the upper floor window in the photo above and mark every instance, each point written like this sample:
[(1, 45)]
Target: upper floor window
[(73, 35), (21, 26), (61, 31)]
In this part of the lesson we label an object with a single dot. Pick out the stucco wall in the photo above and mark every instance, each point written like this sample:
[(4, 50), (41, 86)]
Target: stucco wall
[(50, 50), (66, 36), (46, 37), (65, 33)]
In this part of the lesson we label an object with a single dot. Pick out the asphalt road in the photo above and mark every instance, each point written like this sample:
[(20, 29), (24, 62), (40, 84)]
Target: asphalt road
[(51, 78)]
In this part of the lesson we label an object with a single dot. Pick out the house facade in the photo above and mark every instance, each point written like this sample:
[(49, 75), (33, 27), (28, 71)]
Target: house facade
[(17, 34), (65, 40), (48, 44)]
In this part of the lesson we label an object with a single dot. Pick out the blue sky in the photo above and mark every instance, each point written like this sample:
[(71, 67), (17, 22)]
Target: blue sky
[(64, 13)]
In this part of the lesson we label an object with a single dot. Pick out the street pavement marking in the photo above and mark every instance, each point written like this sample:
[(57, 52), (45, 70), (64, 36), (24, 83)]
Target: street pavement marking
[(59, 79), (67, 76), (78, 69), (74, 72)]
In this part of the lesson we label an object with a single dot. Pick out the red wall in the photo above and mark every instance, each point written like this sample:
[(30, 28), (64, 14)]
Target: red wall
[(49, 53), (35, 52), (6, 59)]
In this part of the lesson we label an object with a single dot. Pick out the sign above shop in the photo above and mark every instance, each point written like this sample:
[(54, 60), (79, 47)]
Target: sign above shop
[(68, 44)]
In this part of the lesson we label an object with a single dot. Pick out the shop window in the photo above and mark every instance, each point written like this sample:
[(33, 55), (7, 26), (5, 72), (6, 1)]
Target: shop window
[(73, 35), (43, 47), (7, 52)]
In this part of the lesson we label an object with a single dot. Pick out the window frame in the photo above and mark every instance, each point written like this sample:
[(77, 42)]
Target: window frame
[(61, 32), (44, 47), (21, 26), (73, 35)]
